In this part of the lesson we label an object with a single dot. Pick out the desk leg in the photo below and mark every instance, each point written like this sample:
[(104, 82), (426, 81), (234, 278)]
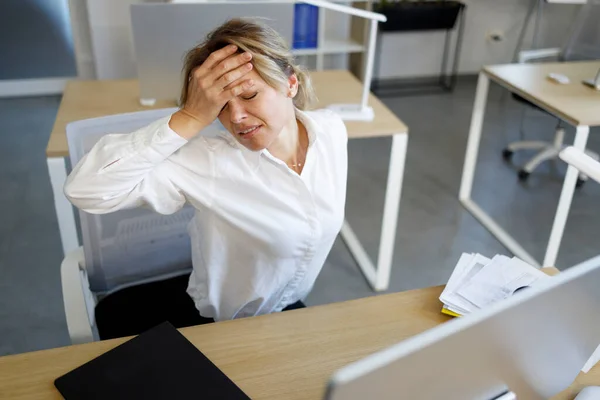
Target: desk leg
[(64, 210), (379, 277), (466, 183), (564, 204)]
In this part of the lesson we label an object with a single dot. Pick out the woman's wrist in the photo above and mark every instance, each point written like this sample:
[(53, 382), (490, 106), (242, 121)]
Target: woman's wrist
[(186, 124)]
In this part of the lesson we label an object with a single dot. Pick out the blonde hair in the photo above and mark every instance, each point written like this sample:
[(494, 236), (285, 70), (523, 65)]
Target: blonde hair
[(271, 57)]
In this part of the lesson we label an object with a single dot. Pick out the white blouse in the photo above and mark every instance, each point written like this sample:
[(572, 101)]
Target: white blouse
[(261, 232)]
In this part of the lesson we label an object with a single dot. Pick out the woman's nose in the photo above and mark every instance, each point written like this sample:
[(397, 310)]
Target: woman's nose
[(237, 113)]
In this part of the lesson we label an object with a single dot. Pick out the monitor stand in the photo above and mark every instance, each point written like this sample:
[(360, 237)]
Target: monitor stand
[(593, 83)]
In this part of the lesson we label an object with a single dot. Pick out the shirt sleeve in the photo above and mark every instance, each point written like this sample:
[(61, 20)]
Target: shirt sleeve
[(128, 170)]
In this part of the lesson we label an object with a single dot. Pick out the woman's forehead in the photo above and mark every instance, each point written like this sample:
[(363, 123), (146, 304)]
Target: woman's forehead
[(255, 76)]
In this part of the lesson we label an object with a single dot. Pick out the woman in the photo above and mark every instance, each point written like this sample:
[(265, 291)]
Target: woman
[(269, 190)]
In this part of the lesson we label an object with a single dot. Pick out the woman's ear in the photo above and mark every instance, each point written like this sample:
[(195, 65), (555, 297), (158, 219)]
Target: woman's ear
[(292, 86)]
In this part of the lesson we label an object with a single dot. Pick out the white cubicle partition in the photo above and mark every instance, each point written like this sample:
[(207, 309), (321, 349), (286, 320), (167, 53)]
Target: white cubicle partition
[(163, 33)]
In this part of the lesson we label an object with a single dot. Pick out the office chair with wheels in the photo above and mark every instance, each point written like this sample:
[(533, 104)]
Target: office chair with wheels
[(583, 44), (134, 264)]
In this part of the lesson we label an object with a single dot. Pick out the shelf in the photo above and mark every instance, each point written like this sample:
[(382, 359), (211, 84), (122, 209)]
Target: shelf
[(305, 52), (332, 46)]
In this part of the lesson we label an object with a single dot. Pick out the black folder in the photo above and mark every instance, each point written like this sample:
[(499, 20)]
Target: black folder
[(158, 364)]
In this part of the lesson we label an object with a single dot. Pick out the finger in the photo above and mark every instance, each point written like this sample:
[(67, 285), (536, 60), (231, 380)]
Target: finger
[(213, 59), (231, 77), (229, 64), (237, 89)]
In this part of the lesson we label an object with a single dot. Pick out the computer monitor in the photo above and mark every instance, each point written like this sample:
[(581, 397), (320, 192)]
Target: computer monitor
[(532, 345), (163, 33)]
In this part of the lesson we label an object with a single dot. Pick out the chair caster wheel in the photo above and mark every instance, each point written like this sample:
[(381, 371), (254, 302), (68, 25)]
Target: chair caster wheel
[(507, 154), (580, 182), (523, 175)]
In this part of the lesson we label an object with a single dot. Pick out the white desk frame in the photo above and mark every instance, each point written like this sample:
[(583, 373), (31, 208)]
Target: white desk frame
[(466, 185), (378, 277)]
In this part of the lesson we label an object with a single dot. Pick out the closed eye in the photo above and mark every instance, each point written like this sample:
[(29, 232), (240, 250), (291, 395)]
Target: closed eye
[(244, 98), (250, 97)]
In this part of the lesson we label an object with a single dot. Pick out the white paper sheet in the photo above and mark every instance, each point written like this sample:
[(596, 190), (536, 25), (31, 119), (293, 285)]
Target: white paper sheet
[(499, 280), (467, 266)]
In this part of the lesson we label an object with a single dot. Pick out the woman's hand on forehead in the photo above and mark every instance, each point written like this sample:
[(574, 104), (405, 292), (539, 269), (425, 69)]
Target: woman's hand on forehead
[(223, 76), (220, 78)]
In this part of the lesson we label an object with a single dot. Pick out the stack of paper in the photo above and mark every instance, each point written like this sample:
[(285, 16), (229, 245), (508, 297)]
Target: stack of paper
[(478, 281)]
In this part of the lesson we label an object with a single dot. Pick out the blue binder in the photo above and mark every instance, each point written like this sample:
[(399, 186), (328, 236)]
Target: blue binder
[(306, 26)]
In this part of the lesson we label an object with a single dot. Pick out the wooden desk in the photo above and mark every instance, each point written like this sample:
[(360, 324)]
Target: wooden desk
[(288, 355), (90, 99), (574, 103)]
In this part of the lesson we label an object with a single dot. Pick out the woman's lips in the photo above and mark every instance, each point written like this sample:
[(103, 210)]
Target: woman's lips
[(251, 133)]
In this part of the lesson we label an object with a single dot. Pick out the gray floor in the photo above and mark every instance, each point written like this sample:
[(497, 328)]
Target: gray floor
[(433, 229)]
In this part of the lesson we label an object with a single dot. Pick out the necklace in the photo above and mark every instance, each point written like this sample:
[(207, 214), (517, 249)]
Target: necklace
[(295, 167), (300, 159), (300, 152)]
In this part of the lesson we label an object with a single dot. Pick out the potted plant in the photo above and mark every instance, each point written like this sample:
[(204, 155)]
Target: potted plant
[(418, 15)]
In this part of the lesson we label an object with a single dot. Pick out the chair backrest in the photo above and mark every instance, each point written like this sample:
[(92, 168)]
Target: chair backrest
[(129, 246), (584, 41)]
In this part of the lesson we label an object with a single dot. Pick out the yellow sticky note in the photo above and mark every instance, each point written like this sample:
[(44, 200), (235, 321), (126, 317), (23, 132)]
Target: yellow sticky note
[(450, 313)]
